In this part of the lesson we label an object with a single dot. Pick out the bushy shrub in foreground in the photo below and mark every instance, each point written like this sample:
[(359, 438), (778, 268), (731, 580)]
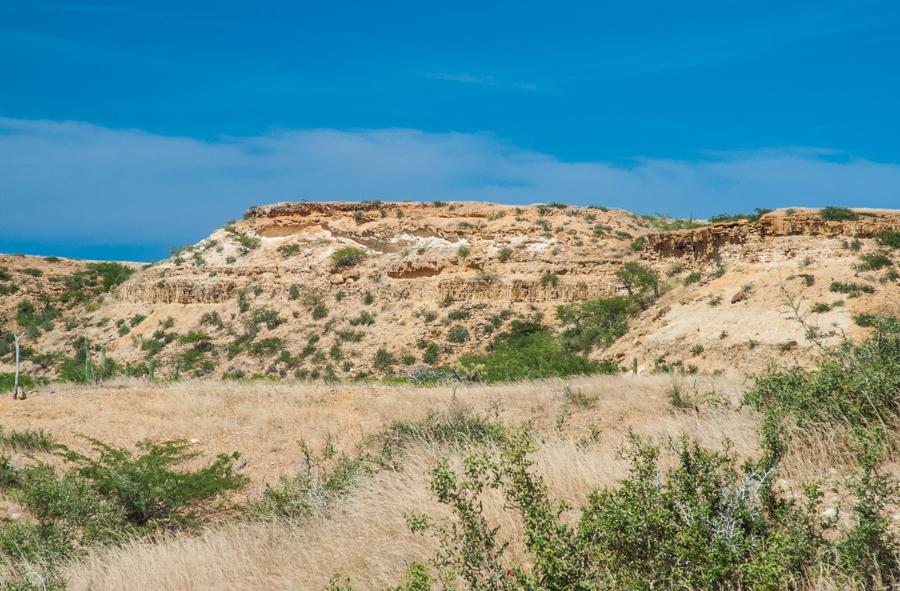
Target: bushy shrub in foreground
[(103, 497), (854, 383)]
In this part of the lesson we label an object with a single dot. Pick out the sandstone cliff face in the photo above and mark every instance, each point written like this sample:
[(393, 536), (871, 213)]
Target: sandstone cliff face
[(705, 243), (262, 294)]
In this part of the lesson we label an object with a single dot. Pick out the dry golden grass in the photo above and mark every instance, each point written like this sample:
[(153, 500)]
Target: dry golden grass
[(365, 536)]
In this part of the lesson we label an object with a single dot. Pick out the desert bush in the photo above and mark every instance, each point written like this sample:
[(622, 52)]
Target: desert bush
[(852, 383), (103, 497), (247, 242), (549, 278), (820, 308), (194, 336), (196, 361), (457, 314), (526, 351), (28, 440), (838, 214), (852, 290), (319, 312), (266, 316), (874, 262), (346, 257), (889, 239), (383, 359), (504, 254), (458, 334), (431, 354), (668, 224), (593, 323), (752, 217), (212, 319), (266, 347), (365, 318), (288, 250), (641, 282), (704, 523), (693, 277)]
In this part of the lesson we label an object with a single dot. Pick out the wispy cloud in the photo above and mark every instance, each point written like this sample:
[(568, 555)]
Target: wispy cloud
[(81, 182), (479, 80)]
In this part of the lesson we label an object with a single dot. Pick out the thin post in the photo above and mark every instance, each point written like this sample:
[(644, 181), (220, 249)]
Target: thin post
[(16, 379)]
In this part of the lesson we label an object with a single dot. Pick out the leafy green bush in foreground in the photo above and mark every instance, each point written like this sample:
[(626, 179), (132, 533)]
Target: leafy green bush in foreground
[(858, 384), (101, 498)]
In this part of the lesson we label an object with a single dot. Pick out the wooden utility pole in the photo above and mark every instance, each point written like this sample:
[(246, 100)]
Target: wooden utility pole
[(18, 337)]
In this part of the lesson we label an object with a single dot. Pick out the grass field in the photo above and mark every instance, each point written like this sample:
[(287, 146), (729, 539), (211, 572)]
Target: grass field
[(580, 425)]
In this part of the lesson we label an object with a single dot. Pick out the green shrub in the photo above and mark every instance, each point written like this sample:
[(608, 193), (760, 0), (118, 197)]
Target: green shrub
[(319, 312), (820, 308), (458, 334), (668, 224), (103, 497), (346, 257), (504, 254), (195, 361), (212, 319), (594, 323), (874, 262), (288, 250), (457, 314), (752, 217), (528, 351), (364, 319), (838, 214), (649, 532), (266, 347), (889, 239), (350, 336), (148, 488), (856, 384), (383, 359), (693, 277), (549, 278), (28, 440), (247, 242), (432, 351), (266, 316), (462, 252), (194, 336), (852, 290), (641, 282)]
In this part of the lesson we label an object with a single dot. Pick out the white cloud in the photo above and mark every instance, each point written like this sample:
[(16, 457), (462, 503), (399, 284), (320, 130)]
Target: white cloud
[(81, 182)]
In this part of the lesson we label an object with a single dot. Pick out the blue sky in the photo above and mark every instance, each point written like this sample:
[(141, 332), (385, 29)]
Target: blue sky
[(128, 127)]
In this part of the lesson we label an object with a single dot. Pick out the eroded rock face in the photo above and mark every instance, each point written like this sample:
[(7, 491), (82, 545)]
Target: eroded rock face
[(705, 243), (270, 279)]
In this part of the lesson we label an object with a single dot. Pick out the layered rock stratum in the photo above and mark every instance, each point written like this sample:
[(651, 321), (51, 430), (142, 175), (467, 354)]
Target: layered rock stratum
[(262, 296)]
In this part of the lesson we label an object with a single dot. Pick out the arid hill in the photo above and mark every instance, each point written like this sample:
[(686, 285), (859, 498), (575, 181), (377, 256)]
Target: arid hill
[(342, 290)]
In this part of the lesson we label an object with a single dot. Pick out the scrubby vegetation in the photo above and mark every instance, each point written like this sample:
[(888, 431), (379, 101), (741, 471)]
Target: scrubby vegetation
[(838, 214), (103, 498), (527, 350), (346, 257)]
